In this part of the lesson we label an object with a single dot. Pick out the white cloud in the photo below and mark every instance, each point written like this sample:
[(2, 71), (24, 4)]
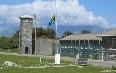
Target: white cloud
[(69, 13)]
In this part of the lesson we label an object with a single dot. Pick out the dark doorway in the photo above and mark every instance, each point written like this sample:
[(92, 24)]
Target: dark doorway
[(26, 50)]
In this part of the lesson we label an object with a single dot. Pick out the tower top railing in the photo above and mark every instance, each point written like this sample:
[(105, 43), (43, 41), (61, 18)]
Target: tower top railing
[(26, 17)]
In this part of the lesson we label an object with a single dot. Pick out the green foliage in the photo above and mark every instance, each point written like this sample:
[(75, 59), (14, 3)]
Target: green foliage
[(85, 31), (5, 42), (113, 68), (15, 40), (9, 43), (43, 33), (66, 33)]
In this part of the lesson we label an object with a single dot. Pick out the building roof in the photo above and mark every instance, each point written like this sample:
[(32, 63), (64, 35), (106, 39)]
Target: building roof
[(82, 37), (109, 33), (27, 16)]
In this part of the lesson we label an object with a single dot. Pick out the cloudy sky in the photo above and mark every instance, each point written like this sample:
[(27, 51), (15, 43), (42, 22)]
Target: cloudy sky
[(69, 12)]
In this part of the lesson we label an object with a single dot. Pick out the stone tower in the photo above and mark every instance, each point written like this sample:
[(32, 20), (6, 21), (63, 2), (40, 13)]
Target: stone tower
[(25, 35)]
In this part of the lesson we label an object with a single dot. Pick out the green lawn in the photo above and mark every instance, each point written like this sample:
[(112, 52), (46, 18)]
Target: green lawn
[(9, 50), (26, 61), (88, 69), (32, 61)]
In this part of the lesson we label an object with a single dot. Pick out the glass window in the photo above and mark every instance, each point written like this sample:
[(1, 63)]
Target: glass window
[(114, 43)]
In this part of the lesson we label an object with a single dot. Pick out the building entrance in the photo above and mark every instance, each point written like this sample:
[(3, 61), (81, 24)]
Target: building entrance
[(26, 50)]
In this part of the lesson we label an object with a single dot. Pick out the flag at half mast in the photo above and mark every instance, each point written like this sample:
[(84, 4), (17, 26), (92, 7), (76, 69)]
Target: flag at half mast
[(52, 21)]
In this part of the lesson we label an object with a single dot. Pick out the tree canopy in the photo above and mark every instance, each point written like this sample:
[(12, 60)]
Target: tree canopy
[(9, 42), (44, 33), (85, 31), (66, 33)]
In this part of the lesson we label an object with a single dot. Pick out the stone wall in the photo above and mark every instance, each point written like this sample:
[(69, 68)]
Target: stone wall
[(45, 46), (25, 38)]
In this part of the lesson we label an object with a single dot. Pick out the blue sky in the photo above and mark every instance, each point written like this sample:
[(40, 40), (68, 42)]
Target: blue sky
[(15, 2), (78, 12), (105, 8)]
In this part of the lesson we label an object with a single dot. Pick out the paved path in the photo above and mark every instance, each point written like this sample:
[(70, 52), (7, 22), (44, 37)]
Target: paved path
[(94, 62), (102, 63)]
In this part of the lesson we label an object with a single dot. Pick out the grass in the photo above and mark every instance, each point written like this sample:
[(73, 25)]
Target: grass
[(26, 61), (88, 69), (9, 50), (32, 61)]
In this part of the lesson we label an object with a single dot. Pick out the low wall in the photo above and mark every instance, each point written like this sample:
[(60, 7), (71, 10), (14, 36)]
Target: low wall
[(45, 46)]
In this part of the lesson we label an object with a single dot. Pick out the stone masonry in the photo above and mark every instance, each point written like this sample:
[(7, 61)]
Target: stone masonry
[(25, 35)]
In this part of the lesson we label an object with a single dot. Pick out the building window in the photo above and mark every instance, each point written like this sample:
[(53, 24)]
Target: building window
[(107, 43), (114, 43)]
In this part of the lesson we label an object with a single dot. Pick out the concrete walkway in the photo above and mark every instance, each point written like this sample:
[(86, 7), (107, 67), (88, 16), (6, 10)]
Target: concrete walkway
[(102, 63), (93, 62)]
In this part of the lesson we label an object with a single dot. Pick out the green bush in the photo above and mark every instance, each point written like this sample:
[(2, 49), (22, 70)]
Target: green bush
[(113, 68)]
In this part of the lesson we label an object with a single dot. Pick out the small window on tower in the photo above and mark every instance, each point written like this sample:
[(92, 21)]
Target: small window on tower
[(22, 20), (30, 21), (26, 20)]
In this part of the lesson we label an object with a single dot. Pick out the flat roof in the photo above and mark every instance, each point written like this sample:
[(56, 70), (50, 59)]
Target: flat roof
[(27, 16), (82, 37), (109, 33)]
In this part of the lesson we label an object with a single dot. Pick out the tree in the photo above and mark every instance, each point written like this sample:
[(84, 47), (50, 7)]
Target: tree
[(5, 42), (15, 40), (9, 42), (44, 33), (85, 31), (51, 33), (66, 33)]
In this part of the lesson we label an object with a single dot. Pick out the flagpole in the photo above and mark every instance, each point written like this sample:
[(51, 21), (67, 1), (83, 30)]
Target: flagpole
[(35, 31), (57, 56), (56, 18), (56, 24)]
